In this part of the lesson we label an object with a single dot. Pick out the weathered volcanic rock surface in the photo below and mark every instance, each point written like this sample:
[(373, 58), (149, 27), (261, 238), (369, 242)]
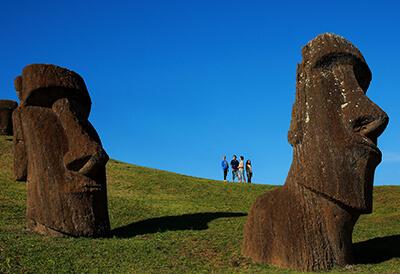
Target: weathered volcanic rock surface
[(6, 109), (308, 224), (59, 154)]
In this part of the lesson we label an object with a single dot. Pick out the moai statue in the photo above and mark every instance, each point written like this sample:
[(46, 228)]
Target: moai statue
[(308, 223), (59, 153), (6, 109)]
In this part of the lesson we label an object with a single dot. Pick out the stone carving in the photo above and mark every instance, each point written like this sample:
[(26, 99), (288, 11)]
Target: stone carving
[(307, 224), (59, 153), (6, 109)]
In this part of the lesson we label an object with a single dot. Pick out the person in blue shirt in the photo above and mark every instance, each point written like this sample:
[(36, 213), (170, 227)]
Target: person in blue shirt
[(225, 167)]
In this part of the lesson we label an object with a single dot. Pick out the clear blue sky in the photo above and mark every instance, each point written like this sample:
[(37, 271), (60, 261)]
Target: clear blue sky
[(177, 84)]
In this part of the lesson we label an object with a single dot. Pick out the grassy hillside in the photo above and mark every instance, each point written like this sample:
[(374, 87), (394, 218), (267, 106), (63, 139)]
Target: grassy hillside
[(168, 223)]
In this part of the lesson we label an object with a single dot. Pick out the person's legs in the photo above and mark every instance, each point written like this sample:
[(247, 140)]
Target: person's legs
[(249, 177), (233, 176), (225, 173)]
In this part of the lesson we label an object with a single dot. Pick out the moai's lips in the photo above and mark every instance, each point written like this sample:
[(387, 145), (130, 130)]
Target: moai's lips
[(92, 187), (368, 143)]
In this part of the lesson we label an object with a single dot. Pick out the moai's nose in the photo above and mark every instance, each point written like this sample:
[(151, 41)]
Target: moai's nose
[(85, 154), (371, 121)]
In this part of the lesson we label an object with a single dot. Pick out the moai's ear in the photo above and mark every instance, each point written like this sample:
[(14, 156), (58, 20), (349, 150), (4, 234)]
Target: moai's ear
[(295, 132), (20, 156), (18, 86)]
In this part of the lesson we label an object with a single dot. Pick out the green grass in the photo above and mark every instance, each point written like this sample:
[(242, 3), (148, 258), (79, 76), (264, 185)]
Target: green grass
[(169, 223)]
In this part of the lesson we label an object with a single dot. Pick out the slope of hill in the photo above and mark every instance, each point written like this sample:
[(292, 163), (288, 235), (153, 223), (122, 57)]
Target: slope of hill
[(171, 223)]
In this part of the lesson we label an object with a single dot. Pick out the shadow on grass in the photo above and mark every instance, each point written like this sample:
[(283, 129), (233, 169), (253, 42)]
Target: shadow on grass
[(377, 250), (195, 221)]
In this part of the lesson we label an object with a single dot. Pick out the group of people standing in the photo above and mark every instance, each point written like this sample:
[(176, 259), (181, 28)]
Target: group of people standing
[(238, 168)]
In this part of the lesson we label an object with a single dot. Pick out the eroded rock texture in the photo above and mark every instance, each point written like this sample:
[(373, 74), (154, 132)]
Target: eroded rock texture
[(6, 109), (308, 223), (59, 153)]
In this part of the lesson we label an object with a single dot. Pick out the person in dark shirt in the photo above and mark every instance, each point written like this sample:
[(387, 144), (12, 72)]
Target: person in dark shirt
[(225, 167), (249, 171), (235, 168)]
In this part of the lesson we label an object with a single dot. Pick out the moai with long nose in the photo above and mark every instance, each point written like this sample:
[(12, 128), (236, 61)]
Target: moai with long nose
[(6, 109), (59, 154), (308, 223)]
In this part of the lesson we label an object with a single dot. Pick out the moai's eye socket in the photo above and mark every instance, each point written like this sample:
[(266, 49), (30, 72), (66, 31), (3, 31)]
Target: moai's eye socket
[(362, 74), (45, 97), (361, 70)]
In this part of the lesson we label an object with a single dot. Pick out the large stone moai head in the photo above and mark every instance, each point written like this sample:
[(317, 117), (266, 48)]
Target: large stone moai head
[(6, 109), (59, 153), (334, 125), (308, 223)]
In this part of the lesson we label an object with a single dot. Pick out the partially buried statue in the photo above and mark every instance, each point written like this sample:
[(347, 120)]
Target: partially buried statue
[(6, 109), (59, 154), (308, 223)]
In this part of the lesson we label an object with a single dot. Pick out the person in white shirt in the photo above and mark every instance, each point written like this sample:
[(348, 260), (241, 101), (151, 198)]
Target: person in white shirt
[(241, 170)]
